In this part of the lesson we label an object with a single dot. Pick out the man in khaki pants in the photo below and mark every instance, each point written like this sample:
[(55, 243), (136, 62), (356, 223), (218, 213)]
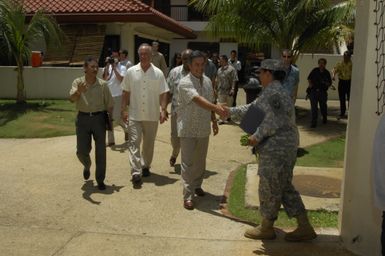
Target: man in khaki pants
[(225, 83), (195, 109), (144, 89), (175, 75)]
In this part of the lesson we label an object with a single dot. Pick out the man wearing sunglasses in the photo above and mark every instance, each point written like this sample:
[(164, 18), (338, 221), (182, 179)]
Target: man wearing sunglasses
[(291, 81)]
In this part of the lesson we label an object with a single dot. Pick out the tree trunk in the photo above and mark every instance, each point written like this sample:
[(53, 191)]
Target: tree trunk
[(20, 96)]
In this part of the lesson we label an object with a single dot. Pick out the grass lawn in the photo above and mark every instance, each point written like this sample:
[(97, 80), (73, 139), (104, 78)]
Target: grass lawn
[(236, 203), (327, 154), (36, 119)]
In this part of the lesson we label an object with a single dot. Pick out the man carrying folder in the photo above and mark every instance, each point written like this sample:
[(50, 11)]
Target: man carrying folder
[(268, 120)]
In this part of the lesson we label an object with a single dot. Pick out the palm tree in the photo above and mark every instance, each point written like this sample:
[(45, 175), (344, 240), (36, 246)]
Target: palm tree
[(286, 24), (18, 33)]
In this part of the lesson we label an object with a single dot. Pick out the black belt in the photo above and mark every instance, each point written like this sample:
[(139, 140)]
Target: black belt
[(90, 113)]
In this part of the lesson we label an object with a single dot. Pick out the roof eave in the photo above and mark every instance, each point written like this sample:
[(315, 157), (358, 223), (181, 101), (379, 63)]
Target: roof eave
[(123, 17)]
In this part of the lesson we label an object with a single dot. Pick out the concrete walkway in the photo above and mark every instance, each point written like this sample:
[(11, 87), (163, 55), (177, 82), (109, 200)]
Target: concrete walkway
[(47, 209)]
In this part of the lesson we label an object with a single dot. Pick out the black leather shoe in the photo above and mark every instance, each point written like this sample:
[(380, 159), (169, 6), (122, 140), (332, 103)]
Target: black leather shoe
[(101, 186), (324, 120), (136, 179), (146, 172), (200, 192), (86, 174)]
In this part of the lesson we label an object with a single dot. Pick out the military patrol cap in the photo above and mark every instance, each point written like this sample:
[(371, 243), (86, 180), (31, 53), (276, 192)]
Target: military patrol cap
[(273, 65)]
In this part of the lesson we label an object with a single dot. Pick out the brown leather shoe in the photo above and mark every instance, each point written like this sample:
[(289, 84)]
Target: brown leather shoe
[(200, 192), (188, 204)]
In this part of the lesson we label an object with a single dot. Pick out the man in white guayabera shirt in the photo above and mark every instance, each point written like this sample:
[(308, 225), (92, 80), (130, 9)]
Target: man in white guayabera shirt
[(144, 90)]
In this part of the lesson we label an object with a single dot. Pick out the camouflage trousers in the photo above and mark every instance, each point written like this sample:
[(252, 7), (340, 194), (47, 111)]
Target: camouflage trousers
[(275, 186)]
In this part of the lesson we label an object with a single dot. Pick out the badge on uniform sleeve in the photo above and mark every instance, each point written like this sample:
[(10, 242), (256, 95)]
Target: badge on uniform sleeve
[(275, 103)]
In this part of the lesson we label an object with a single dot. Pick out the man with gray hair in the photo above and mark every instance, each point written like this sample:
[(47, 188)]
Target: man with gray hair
[(144, 89), (276, 142)]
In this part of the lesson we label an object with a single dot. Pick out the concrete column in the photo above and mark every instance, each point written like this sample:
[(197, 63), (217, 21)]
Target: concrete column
[(127, 41), (360, 221)]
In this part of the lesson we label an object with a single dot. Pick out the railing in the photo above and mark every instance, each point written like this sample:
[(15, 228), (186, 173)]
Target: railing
[(179, 12), (186, 13)]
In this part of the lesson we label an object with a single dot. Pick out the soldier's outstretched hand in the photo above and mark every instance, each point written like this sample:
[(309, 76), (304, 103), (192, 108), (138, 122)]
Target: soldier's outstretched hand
[(252, 140)]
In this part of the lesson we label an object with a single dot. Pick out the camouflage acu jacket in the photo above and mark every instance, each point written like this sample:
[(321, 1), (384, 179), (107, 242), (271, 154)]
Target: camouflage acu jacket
[(277, 133)]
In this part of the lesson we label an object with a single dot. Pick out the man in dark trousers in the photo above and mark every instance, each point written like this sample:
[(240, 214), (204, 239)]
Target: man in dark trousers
[(319, 82), (344, 71), (92, 98)]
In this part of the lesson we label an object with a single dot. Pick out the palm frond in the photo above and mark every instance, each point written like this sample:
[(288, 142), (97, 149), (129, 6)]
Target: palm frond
[(293, 24)]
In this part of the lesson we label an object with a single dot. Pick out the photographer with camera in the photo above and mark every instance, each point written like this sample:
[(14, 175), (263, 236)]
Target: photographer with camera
[(113, 73)]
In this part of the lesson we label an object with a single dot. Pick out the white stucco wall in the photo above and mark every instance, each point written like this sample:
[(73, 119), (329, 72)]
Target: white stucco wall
[(306, 62), (360, 221), (43, 82), (40, 83)]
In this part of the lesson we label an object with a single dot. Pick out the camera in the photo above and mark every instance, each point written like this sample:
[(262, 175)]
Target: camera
[(111, 60)]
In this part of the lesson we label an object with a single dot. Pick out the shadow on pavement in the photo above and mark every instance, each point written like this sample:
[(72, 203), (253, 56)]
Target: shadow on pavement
[(210, 204), (120, 147), (209, 174), (322, 245), (303, 120), (159, 180), (177, 169), (89, 189)]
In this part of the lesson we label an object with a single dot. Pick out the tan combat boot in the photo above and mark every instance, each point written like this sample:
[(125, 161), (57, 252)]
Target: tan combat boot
[(264, 231), (303, 232)]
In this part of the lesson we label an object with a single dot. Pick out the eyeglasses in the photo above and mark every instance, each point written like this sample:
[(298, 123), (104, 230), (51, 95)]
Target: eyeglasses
[(286, 56)]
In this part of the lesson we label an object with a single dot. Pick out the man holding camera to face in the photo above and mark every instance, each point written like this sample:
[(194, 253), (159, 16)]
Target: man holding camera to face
[(113, 73)]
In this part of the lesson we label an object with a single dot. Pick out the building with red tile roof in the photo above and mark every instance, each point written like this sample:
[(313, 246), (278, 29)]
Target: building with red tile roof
[(94, 27), (98, 11)]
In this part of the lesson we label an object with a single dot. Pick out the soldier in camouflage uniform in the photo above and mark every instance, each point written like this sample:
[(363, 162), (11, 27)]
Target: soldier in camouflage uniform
[(276, 141)]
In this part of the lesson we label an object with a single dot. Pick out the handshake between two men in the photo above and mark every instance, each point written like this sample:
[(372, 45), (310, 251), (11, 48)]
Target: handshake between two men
[(224, 113), (222, 110)]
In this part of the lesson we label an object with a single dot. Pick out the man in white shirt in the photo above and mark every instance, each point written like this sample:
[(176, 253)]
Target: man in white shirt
[(144, 89), (123, 59), (113, 73)]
